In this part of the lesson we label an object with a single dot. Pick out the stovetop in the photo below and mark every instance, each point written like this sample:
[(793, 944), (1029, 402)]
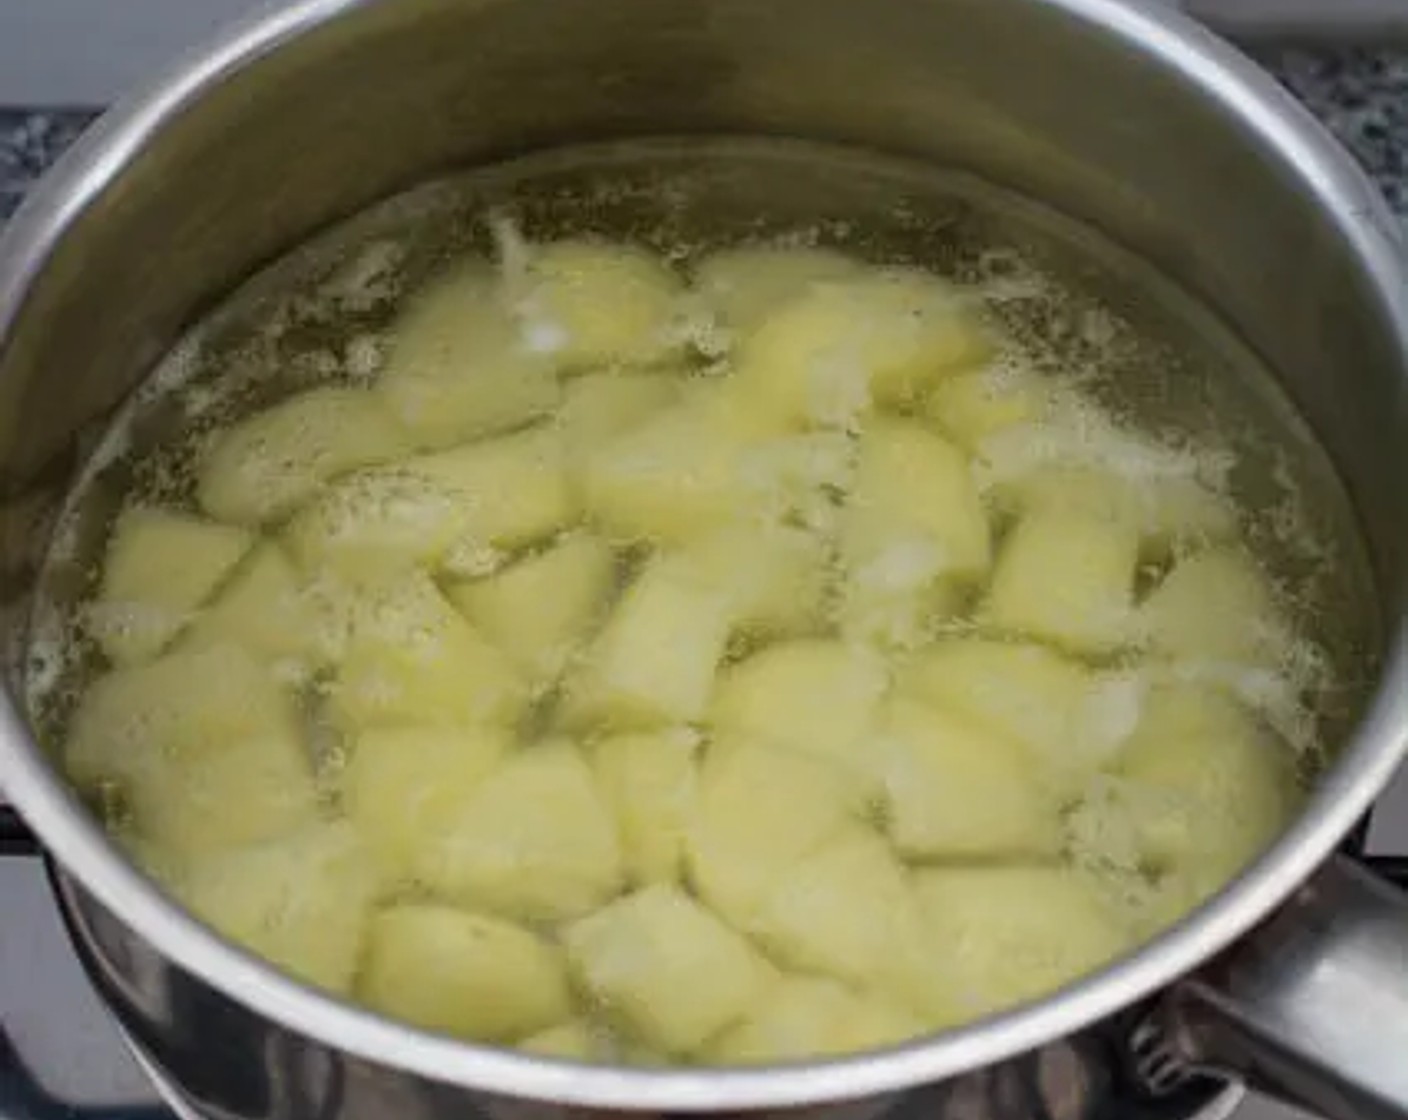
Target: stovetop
[(72, 1061)]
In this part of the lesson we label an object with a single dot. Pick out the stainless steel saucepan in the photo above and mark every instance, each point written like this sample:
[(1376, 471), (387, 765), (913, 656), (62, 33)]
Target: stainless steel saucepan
[(1129, 119)]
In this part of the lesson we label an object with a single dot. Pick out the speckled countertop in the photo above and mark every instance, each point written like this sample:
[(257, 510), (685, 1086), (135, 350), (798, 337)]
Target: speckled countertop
[(1362, 94)]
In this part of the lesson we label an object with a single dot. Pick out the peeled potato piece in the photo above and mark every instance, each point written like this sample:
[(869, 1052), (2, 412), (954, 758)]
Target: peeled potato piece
[(653, 663), (1215, 606), (975, 405), (461, 973), (1072, 720), (300, 901), (267, 465), (743, 286), (411, 658), (774, 577), (403, 786), (913, 527), (597, 407), (812, 1017), (954, 791), (265, 609), (671, 971), (160, 566), (759, 811), (649, 780), (845, 910), (458, 368), (445, 509), (142, 723), (821, 358), (534, 840), (586, 303), (542, 609), (816, 695), (1008, 935), (1066, 576)]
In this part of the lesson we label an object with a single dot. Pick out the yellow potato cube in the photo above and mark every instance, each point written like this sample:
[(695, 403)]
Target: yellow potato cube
[(812, 1017), (598, 407), (649, 781), (759, 811), (1210, 788), (1071, 719), (775, 577), (822, 357), (655, 660), (815, 695), (244, 792), (1066, 577), (160, 566), (534, 840), (954, 791), (301, 902), (845, 910), (264, 609), (1009, 934), (444, 509), (266, 466), (404, 786), (138, 722), (667, 967), (541, 610), (1216, 606), (573, 1041), (585, 303), (973, 406), (411, 658), (463, 974), (744, 285), (457, 367)]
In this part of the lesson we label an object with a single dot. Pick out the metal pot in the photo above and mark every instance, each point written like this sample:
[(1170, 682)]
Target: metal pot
[(1133, 121)]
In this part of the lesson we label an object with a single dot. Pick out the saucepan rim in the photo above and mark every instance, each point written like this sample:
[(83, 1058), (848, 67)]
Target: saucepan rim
[(80, 847)]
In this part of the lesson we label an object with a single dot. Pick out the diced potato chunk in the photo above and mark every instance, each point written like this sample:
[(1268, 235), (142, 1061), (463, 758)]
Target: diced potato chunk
[(845, 910), (744, 285), (241, 793), (413, 659), (136, 723), (460, 973), (448, 509), (812, 1017), (958, 792), (914, 525), (301, 902), (269, 464), (775, 577), (534, 840), (542, 609), (1068, 577), (1009, 935), (822, 357), (973, 406), (1212, 787), (457, 367), (266, 610), (1070, 719), (655, 660), (598, 407), (585, 303), (574, 1041), (1215, 606), (160, 566), (815, 695), (759, 811), (649, 781), (671, 970), (404, 786)]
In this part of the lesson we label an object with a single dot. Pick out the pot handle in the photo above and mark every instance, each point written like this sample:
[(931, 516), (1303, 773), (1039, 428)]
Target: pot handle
[(1312, 1007)]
